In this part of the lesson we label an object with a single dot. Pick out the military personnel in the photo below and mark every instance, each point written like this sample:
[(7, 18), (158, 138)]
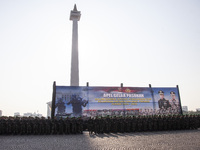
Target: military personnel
[(80, 125), (60, 105), (198, 117), (90, 125), (22, 126), (174, 123), (139, 124), (165, 123), (102, 125), (108, 125), (73, 125), (67, 126), (54, 126), (114, 124), (40, 127), (169, 122), (150, 123), (155, 123), (96, 126), (61, 125), (4, 120), (128, 124), (178, 123), (144, 123), (48, 126), (162, 102), (9, 125), (35, 126), (121, 124), (133, 124), (29, 126), (173, 102), (77, 103), (194, 122), (182, 125), (1, 125), (187, 122)]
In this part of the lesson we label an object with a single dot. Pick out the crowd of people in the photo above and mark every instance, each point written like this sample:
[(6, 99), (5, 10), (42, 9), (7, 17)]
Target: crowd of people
[(40, 126), (143, 123), (96, 125)]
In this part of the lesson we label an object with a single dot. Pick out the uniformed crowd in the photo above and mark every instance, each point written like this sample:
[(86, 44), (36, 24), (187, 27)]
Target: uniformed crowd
[(143, 123), (40, 126), (98, 125)]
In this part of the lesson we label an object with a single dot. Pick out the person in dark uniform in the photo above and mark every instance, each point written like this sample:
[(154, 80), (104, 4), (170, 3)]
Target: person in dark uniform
[(67, 125), (102, 125), (139, 123), (48, 126), (155, 123), (150, 123), (16, 125), (162, 102), (61, 126), (54, 126), (128, 124), (29, 126), (174, 103), (165, 123), (90, 125), (144, 123), (22, 126), (114, 124), (133, 124), (9, 127), (108, 124), (73, 125), (121, 123), (60, 105), (160, 123), (96, 126), (77, 103)]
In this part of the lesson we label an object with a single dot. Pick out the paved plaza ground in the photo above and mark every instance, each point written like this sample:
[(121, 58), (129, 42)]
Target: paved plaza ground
[(188, 139)]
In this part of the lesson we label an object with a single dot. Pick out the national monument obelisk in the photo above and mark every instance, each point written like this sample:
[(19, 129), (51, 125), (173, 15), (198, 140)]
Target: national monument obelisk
[(75, 17)]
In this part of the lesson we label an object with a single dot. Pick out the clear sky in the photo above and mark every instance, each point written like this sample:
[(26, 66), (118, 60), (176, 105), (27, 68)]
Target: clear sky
[(134, 42)]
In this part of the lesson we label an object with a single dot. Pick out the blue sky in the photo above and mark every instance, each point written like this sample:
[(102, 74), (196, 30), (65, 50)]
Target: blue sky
[(132, 42)]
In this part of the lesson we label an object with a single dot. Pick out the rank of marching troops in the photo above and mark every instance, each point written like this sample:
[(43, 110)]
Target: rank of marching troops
[(40, 126), (101, 125), (98, 125)]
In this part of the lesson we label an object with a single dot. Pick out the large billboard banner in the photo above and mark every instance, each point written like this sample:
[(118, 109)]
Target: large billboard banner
[(87, 101)]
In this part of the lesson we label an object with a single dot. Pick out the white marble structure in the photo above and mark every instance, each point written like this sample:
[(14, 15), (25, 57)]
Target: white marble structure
[(49, 107), (75, 17)]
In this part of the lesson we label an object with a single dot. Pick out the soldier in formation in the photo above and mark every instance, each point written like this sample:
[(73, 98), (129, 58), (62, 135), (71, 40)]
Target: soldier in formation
[(128, 124), (98, 125), (40, 126)]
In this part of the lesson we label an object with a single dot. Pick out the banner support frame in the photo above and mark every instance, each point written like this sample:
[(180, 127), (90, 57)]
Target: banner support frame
[(53, 100), (179, 99), (123, 101), (152, 94)]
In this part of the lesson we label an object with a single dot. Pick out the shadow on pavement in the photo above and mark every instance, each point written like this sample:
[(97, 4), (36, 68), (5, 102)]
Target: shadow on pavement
[(116, 135)]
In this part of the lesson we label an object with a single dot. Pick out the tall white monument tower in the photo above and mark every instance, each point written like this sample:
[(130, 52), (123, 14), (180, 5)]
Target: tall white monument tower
[(75, 17)]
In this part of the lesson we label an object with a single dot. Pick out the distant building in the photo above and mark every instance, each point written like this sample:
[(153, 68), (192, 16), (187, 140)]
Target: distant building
[(37, 115), (198, 109), (184, 108), (16, 114), (0, 113), (28, 114), (49, 106)]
